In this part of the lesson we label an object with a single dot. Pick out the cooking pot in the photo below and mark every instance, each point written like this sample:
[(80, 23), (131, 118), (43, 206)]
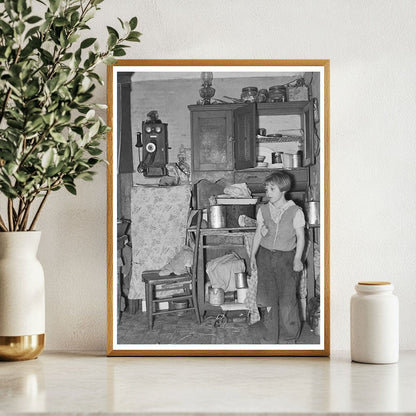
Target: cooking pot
[(292, 161)]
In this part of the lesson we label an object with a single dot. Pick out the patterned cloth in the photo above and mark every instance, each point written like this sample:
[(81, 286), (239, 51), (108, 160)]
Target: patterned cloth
[(251, 299), (159, 218)]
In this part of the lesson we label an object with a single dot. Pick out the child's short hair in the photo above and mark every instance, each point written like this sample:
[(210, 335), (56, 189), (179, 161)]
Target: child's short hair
[(279, 178)]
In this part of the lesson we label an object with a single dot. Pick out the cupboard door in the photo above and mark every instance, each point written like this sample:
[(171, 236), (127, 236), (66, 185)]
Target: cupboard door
[(245, 126), (212, 136), (302, 109)]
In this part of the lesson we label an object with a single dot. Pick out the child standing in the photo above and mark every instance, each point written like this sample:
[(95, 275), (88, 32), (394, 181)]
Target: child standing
[(276, 255)]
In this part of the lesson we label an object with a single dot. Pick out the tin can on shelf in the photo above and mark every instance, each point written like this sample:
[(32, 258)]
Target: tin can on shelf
[(240, 280), (292, 161), (216, 296)]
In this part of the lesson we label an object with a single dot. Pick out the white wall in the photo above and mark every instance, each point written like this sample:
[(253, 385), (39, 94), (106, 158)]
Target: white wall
[(373, 134)]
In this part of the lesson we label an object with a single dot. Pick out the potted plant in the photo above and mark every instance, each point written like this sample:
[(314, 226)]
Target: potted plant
[(50, 136)]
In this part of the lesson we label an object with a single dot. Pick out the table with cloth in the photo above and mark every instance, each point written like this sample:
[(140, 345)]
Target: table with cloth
[(159, 218)]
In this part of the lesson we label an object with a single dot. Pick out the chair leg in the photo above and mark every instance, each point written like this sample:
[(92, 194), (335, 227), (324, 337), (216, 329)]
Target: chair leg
[(149, 304), (195, 304)]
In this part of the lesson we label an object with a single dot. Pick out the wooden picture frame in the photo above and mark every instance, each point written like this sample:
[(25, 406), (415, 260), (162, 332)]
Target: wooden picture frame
[(167, 92)]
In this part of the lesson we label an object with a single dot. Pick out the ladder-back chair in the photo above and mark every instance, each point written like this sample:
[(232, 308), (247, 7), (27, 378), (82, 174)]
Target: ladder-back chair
[(151, 278)]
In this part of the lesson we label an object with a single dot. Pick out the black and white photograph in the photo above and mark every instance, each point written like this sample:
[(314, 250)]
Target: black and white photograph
[(218, 208)]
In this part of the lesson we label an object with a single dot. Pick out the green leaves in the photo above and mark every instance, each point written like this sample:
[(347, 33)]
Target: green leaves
[(53, 5), (50, 134), (58, 137), (47, 158), (110, 60), (133, 23), (33, 19), (113, 32), (86, 43), (5, 28), (134, 36)]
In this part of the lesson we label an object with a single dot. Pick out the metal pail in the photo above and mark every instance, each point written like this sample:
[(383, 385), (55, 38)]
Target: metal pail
[(216, 216), (312, 212)]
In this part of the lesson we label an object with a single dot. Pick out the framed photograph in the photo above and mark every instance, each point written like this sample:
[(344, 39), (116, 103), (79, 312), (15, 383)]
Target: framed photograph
[(218, 208)]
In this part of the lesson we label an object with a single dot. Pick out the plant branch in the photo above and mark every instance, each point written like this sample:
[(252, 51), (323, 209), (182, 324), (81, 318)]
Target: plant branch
[(26, 216), (18, 218), (2, 225), (10, 213), (24, 206), (39, 210), (35, 145)]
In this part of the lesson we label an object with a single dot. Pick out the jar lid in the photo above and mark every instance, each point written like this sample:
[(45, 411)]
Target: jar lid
[(277, 88), (370, 287)]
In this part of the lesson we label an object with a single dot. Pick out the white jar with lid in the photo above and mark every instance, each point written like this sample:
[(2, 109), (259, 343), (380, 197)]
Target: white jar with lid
[(374, 323)]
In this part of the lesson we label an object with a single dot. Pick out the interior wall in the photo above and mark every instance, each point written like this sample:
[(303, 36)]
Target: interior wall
[(171, 99), (373, 149)]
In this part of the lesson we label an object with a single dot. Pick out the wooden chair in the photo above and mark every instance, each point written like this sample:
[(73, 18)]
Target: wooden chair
[(151, 278)]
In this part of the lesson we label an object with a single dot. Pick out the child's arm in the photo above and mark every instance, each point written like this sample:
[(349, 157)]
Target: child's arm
[(300, 245), (255, 247)]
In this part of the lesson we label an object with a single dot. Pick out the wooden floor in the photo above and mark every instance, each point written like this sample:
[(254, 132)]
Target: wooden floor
[(174, 329)]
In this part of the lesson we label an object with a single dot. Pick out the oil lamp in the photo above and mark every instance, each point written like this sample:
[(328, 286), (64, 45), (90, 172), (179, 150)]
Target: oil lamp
[(206, 92)]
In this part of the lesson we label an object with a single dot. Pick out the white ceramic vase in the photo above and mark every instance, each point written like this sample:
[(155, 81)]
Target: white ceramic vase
[(374, 323), (22, 296)]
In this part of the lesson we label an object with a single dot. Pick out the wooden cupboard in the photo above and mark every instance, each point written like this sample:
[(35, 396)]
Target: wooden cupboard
[(223, 136)]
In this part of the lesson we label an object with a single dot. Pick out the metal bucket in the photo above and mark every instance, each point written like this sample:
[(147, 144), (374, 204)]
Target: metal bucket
[(217, 216), (241, 280)]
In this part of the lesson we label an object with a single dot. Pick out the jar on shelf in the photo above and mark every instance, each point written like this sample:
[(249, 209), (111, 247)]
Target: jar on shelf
[(249, 94), (262, 96), (277, 94), (374, 323)]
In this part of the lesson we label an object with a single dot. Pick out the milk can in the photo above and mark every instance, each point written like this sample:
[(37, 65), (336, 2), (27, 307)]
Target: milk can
[(374, 323)]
